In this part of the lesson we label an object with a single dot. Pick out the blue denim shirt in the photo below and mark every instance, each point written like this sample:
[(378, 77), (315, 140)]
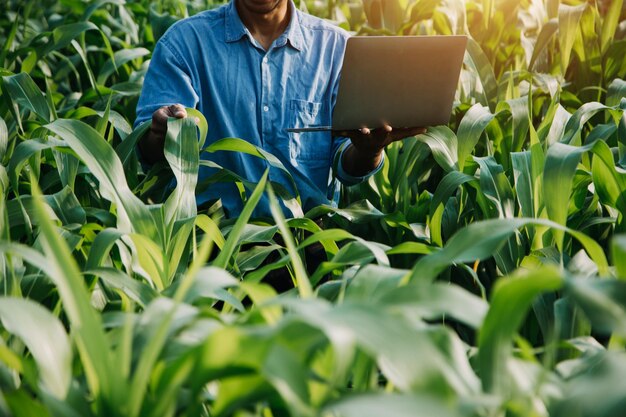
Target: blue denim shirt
[(211, 62)]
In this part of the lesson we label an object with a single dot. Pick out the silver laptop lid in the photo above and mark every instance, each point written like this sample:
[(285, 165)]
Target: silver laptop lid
[(405, 81)]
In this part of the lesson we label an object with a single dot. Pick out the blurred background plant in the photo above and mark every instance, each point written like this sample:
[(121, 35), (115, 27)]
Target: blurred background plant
[(479, 273)]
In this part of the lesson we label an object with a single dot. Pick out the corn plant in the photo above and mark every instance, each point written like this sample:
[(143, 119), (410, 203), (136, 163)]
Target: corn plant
[(479, 273)]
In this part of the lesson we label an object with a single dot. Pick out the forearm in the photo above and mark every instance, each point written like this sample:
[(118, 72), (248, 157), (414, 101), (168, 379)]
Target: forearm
[(359, 163), (151, 147)]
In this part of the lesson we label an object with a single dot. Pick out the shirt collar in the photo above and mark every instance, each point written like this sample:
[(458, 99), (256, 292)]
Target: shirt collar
[(235, 28)]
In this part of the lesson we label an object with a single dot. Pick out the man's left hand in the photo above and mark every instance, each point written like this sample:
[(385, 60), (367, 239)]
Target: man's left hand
[(368, 144)]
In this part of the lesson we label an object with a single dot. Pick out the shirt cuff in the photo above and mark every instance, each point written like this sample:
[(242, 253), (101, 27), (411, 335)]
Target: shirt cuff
[(346, 178)]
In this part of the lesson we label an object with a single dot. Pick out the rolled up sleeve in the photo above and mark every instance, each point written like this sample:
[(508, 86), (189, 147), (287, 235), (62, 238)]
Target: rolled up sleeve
[(168, 81), (344, 177)]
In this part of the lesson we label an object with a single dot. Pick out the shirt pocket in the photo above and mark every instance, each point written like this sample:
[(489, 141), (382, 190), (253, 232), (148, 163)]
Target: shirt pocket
[(308, 146)]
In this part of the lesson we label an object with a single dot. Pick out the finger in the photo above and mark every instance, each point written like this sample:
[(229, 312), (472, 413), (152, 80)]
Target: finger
[(387, 128), (365, 130), (177, 110), (159, 117)]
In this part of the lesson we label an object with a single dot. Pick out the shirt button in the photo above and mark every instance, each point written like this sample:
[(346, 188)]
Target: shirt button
[(265, 60), (265, 108)]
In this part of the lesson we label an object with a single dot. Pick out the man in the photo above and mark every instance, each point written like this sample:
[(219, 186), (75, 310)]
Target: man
[(255, 68)]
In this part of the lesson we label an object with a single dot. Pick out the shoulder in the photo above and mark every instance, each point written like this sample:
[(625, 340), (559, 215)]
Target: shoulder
[(207, 23), (320, 27)]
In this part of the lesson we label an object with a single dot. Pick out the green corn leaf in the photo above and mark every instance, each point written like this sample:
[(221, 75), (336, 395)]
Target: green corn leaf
[(67, 165), (412, 247), (511, 300), (210, 228), (233, 237), (470, 130), (409, 358), (518, 109), (67, 207), (487, 12), (443, 144), (574, 125), (209, 282), (5, 224), (614, 64), (618, 255), (95, 5), (481, 240), (23, 152), (285, 371), (160, 316), (25, 94), (569, 19), (101, 246), (163, 314), (127, 147), (553, 126), (103, 121), (560, 166), (120, 58), (254, 233), (261, 294), (609, 24), (617, 91), (181, 152), (495, 186), (21, 404), (64, 35), (29, 255), (596, 389), (373, 282), (8, 42), (602, 301), (86, 326), (536, 168), (448, 186), (160, 22), (4, 139), (609, 181), (152, 260), (141, 293), (240, 145), (328, 238), (423, 9), (392, 405), (478, 61), (201, 123), (45, 338), (552, 8), (524, 182), (364, 249), (437, 300), (252, 259), (548, 30), (119, 122), (302, 279), (374, 13), (177, 251), (83, 56), (104, 164)]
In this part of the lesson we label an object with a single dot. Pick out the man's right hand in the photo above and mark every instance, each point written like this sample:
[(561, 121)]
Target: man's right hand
[(151, 145)]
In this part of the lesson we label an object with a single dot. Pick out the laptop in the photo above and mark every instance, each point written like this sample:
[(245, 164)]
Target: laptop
[(404, 81)]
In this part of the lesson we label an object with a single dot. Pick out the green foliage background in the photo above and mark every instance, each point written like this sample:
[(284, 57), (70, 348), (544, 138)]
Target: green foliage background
[(479, 273)]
